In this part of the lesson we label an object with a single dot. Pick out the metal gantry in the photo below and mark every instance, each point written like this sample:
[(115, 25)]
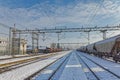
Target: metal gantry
[(35, 42), (35, 33), (86, 29)]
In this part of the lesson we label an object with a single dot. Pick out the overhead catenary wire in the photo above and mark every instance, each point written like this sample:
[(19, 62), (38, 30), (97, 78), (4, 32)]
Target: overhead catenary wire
[(4, 33), (94, 13), (4, 25), (90, 15)]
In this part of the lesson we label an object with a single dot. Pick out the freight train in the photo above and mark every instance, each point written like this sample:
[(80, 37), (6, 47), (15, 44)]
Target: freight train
[(42, 50), (106, 48)]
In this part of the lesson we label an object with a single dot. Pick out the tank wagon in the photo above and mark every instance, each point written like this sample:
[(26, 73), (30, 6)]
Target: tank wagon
[(108, 48), (91, 48), (82, 49)]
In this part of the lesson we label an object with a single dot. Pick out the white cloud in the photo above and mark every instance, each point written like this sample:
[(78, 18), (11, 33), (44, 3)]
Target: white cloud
[(45, 15), (50, 15)]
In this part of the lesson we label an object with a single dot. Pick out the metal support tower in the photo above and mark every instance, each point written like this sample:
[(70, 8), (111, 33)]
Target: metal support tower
[(104, 33), (19, 42), (13, 42), (43, 36), (58, 36), (88, 36), (35, 42), (10, 41)]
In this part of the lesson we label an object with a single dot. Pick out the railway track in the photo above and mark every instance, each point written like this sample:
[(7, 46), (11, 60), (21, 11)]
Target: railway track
[(14, 57), (99, 72), (105, 58), (61, 63), (16, 64)]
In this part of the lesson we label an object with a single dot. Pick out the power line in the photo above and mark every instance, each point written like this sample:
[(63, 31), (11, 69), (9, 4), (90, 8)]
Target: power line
[(4, 25), (21, 25), (98, 6), (4, 33), (91, 14)]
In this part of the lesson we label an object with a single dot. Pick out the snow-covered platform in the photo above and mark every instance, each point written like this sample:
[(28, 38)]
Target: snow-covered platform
[(73, 70), (69, 69)]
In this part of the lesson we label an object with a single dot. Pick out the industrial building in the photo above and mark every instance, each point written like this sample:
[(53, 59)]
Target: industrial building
[(3, 46), (19, 46)]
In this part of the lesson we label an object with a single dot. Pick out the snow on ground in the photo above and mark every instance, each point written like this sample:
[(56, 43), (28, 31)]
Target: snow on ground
[(16, 59), (114, 67), (73, 70), (22, 58), (46, 73), (25, 71), (9, 56), (100, 72), (88, 73)]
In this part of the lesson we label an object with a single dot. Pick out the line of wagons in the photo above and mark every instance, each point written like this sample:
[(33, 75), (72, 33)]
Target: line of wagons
[(106, 48), (43, 50)]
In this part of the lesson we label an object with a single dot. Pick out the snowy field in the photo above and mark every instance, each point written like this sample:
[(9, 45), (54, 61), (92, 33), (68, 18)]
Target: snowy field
[(25, 71), (21, 58), (9, 56)]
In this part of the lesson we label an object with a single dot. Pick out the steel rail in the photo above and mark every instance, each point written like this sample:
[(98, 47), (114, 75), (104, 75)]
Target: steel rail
[(102, 67), (34, 74)]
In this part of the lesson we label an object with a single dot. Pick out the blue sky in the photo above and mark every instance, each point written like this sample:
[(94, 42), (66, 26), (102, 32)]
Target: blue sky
[(29, 3), (19, 3), (59, 13)]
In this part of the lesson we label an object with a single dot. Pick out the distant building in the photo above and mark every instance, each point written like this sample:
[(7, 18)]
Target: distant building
[(19, 46), (4, 46)]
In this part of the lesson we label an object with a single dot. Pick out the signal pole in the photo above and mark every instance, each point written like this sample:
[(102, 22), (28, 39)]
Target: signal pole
[(104, 33), (58, 35)]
